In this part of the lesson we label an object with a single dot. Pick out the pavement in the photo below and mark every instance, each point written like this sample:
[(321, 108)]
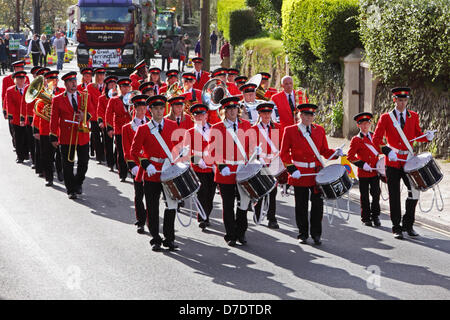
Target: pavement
[(55, 248)]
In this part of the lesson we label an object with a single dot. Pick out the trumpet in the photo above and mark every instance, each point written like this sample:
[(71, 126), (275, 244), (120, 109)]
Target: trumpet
[(82, 126)]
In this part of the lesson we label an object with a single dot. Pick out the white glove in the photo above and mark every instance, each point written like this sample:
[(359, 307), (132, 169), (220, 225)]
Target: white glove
[(430, 135), (258, 150), (296, 174), (135, 170), (339, 152), (366, 167), (392, 156), (202, 164), (151, 170), (225, 171)]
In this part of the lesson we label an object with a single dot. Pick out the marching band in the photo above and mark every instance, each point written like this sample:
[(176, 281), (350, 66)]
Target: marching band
[(230, 133)]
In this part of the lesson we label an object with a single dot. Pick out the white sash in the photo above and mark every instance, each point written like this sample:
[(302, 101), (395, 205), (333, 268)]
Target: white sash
[(266, 136), (312, 145), (401, 133), (238, 143), (162, 143), (203, 133)]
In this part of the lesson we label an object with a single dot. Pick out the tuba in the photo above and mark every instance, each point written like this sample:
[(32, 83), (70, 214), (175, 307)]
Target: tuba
[(214, 91), (36, 90), (260, 91), (127, 101)]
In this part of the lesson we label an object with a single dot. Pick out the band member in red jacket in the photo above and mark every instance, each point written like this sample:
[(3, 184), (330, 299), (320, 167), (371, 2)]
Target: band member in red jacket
[(108, 143), (201, 76), (227, 154), (270, 91), (152, 153), (95, 90), (232, 73), (159, 87), (140, 74), (86, 78), (67, 108), (128, 132), (268, 134), (13, 99), (172, 77), (364, 155), (299, 158), (192, 95), (396, 150), (221, 73), (197, 139), (240, 81), (117, 115)]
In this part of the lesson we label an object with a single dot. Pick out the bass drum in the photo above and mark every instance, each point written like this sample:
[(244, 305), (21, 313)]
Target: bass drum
[(381, 168), (334, 181), (180, 181), (423, 171), (256, 180)]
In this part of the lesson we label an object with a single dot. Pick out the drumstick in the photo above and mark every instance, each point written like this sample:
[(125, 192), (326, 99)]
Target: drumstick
[(70, 121), (254, 154), (336, 151), (422, 135)]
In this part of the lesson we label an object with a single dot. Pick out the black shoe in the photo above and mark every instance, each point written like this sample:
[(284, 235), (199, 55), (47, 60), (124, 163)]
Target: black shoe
[(273, 225), (411, 232), (41, 175), (33, 166), (231, 243), (60, 176), (123, 179), (398, 235), (140, 230), (207, 223), (376, 221), (302, 239), (317, 241), (111, 169), (19, 161), (49, 184), (73, 196), (170, 245), (99, 162), (242, 240), (367, 223), (156, 247), (202, 225), (79, 190)]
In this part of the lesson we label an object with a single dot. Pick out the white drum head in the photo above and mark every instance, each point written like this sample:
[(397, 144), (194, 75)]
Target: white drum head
[(417, 162), (381, 166), (248, 171), (174, 171), (330, 173)]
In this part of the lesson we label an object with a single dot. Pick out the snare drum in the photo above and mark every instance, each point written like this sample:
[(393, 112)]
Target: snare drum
[(279, 171), (423, 171), (255, 180), (180, 181), (334, 181), (381, 168)]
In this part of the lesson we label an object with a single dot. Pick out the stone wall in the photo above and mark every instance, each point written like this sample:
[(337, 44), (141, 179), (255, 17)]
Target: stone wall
[(434, 113)]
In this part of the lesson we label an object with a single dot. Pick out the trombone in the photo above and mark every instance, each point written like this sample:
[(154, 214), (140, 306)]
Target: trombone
[(82, 127)]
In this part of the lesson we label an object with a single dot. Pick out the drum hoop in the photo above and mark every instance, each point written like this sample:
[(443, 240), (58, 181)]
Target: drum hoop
[(421, 167), (172, 178)]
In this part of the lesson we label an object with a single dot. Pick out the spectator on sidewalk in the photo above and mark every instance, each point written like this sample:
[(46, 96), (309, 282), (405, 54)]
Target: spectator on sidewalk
[(198, 51), (36, 49), (147, 49), (166, 51), (225, 55), (59, 44), (188, 44), (3, 56), (213, 39), (180, 53), (47, 48)]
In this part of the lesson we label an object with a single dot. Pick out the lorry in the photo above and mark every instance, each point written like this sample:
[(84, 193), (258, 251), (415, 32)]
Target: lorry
[(109, 32)]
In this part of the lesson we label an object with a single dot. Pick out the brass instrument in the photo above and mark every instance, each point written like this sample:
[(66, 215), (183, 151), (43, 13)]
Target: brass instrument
[(127, 101), (37, 90), (214, 91), (82, 127), (260, 91)]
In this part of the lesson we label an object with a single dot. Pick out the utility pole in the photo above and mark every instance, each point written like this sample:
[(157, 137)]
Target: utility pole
[(204, 29), (17, 16), (37, 16)]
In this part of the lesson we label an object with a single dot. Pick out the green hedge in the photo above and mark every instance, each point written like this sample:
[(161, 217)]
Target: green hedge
[(224, 9), (407, 40), (243, 25)]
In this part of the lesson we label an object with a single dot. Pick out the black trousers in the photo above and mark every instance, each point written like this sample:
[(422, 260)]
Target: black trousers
[(36, 58), (121, 163), (272, 206), (206, 192), (12, 133), (21, 145), (152, 191), (302, 195), (109, 149), (394, 175), (37, 156), (29, 139), (96, 141), (163, 61), (235, 225), (47, 157), (139, 208), (43, 59), (74, 181), (369, 185)]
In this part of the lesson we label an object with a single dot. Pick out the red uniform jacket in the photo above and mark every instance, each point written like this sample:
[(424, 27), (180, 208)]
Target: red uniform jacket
[(270, 92), (82, 86), (257, 137), (116, 115), (360, 153), (222, 151), (13, 101), (190, 96), (7, 82), (284, 109), (27, 109), (43, 125), (295, 147), (102, 104), (204, 78), (135, 81), (233, 89), (145, 146), (385, 128), (197, 148), (161, 89), (60, 129), (128, 132), (94, 94)]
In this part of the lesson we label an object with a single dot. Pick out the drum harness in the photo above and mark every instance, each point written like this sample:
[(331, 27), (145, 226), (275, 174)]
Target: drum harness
[(434, 200)]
